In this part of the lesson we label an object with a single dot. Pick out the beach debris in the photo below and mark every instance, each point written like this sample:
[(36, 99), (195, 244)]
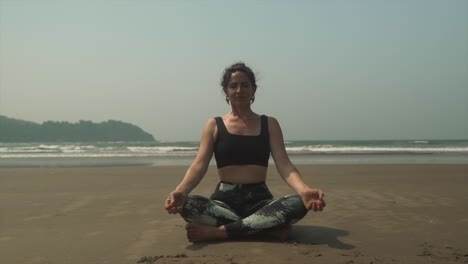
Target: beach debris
[(426, 249), (443, 253), (153, 259), (149, 260)]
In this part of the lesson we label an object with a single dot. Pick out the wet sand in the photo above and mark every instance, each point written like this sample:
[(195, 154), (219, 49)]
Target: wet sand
[(374, 214)]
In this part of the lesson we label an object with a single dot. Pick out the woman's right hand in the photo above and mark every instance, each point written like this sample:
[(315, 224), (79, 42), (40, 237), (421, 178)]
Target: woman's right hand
[(313, 199), (175, 202)]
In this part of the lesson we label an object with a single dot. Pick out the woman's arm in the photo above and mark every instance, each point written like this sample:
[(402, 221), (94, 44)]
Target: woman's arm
[(312, 198), (195, 172)]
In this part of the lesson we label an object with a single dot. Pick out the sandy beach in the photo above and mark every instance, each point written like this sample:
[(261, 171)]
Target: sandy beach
[(374, 214)]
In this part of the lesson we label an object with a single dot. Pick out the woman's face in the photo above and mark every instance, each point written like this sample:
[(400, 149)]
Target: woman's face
[(239, 88)]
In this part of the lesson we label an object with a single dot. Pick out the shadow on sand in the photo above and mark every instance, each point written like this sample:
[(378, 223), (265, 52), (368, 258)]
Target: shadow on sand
[(300, 234), (319, 235)]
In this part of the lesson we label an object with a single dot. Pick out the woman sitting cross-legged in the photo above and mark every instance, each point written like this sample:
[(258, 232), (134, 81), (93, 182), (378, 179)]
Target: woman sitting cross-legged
[(242, 142)]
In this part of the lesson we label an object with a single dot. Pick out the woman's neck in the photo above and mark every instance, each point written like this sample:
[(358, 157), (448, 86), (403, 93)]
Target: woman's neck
[(241, 112)]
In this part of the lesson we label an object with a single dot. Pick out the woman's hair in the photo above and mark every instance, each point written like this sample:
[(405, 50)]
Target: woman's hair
[(239, 66)]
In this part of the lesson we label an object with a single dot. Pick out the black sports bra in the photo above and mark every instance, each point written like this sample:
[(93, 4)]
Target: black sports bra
[(231, 149)]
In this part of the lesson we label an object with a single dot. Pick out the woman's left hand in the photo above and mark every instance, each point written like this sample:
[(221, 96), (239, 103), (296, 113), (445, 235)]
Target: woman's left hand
[(313, 199), (175, 202)]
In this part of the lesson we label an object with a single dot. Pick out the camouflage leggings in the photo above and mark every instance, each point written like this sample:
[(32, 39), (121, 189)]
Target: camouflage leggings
[(243, 209)]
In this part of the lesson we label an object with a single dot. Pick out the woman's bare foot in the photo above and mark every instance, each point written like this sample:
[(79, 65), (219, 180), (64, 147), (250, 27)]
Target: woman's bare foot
[(197, 233)]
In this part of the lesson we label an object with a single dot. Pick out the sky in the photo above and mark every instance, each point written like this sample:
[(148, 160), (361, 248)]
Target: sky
[(327, 70)]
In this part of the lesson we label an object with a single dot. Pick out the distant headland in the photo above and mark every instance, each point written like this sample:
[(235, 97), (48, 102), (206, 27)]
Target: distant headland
[(15, 130)]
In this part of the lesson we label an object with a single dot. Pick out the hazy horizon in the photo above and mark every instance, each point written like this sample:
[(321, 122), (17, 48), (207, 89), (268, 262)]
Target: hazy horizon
[(286, 140), (327, 70)]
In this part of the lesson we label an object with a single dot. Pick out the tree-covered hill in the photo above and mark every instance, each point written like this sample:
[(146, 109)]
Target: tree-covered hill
[(14, 130)]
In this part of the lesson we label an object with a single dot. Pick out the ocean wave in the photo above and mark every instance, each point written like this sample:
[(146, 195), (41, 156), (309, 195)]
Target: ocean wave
[(185, 149), (27, 150), (89, 155), (167, 149), (372, 150), (420, 142)]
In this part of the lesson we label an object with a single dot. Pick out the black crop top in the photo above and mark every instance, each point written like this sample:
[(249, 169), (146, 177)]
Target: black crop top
[(231, 149)]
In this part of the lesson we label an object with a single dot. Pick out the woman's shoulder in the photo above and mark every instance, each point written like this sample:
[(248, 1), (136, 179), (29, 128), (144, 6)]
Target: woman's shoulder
[(273, 125), (211, 122), (210, 129), (210, 125), (271, 119)]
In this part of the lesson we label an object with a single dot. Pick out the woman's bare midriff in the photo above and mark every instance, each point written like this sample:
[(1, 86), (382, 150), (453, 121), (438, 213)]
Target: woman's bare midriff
[(243, 174)]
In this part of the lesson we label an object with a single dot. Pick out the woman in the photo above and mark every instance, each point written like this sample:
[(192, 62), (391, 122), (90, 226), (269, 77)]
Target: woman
[(242, 142)]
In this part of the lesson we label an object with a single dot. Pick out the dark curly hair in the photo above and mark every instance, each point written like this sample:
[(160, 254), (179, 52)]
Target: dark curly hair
[(239, 66)]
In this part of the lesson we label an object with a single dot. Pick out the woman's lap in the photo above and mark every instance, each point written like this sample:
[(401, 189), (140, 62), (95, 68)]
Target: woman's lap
[(243, 209)]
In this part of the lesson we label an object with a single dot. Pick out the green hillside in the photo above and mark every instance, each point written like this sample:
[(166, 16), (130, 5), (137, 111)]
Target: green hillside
[(14, 130)]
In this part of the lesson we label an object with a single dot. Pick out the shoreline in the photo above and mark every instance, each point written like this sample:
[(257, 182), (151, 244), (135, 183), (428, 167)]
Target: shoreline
[(375, 213), (297, 159)]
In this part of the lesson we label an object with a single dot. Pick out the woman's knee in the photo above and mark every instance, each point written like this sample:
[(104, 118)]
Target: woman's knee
[(194, 204), (196, 200), (201, 210), (294, 205)]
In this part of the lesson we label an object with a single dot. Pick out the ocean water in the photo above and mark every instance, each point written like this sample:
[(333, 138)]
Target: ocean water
[(75, 154)]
